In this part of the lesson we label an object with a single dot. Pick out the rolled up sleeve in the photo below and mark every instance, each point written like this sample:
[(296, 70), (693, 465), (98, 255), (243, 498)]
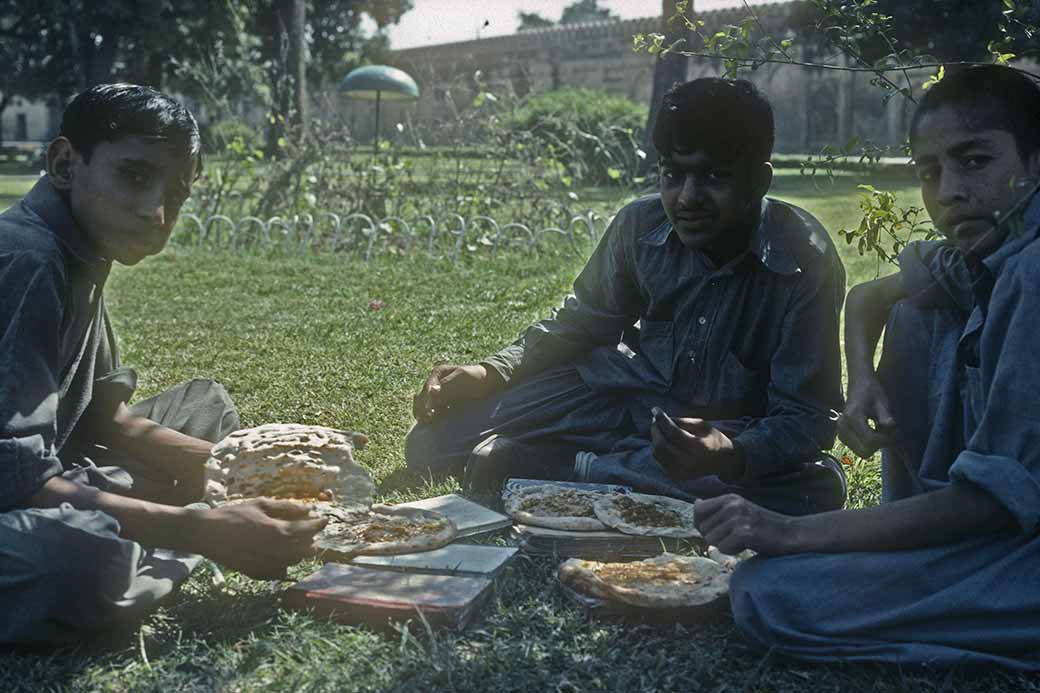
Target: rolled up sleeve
[(1002, 455), (1007, 480), (31, 309)]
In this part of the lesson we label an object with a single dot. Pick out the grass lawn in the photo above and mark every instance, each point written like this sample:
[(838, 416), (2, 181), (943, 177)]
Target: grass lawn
[(13, 187), (295, 340)]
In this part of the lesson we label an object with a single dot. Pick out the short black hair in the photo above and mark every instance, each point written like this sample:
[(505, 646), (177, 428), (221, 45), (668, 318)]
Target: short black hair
[(728, 119), (109, 112), (988, 97)]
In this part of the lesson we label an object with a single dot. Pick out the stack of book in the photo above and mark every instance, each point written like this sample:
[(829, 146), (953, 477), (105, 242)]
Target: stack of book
[(444, 587)]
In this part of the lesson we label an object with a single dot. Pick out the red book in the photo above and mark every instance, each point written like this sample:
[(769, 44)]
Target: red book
[(377, 598)]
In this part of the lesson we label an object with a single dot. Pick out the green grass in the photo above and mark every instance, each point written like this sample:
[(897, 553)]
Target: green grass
[(12, 188), (295, 340)]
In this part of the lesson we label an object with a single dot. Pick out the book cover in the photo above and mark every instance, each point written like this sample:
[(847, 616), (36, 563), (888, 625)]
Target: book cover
[(377, 598), (455, 559), (470, 518)]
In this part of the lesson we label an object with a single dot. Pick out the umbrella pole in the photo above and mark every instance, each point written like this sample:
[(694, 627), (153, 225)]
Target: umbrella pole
[(375, 141)]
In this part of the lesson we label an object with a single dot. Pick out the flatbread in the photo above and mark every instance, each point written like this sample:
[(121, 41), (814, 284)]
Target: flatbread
[(383, 530), (289, 461), (555, 507), (667, 581), (640, 513)]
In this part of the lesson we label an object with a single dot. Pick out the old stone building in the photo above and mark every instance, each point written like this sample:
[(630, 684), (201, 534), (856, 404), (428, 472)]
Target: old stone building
[(28, 121), (814, 107)]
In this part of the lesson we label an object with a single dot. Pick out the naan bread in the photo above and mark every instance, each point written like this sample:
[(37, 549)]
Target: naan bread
[(555, 507), (639, 513), (667, 581), (383, 530), (289, 461)]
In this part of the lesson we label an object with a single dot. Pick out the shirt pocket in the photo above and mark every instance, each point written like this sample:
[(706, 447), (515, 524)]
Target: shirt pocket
[(657, 345), (739, 390)]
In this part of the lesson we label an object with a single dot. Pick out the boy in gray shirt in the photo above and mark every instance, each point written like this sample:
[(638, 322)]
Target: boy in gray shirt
[(89, 485)]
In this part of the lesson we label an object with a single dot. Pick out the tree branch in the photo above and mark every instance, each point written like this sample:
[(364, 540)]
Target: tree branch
[(754, 62)]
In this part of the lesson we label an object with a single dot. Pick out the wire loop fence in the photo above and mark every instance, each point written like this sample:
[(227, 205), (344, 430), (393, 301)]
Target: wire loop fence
[(361, 235)]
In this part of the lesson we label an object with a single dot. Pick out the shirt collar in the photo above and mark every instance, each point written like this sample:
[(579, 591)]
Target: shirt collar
[(1025, 229), (769, 243), (49, 204)]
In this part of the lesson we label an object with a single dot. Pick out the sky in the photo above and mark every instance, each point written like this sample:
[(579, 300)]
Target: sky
[(447, 21)]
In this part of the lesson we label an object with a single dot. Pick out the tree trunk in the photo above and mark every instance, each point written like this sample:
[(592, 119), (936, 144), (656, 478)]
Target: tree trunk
[(146, 67), (292, 19), (3, 107), (667, 71), (95, 61)]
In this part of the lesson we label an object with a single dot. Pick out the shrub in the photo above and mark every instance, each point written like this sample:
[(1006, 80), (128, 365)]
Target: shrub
[(596, 134), (219, 135)]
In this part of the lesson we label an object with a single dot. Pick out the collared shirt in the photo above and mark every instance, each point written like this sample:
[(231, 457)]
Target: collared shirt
[(983, 409), (55, 339), (751, 345)]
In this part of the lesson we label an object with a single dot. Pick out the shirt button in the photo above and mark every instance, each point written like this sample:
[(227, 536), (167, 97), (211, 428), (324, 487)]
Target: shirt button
[(692, 355), (702, 320)]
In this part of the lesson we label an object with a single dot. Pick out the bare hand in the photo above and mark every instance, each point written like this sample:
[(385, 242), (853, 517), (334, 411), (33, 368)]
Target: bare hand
[(260, 538), (449, 385), (733, 524), (693, 448), (867, 402)]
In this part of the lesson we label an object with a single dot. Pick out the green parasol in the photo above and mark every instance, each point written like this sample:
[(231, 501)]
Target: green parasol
[(379, 82)]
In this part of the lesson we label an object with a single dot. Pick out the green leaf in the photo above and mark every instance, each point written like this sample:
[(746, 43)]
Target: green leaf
[(935, 79), (613, 173)]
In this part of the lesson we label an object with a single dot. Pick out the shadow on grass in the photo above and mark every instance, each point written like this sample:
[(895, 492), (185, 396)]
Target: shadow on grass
[(400, 480)]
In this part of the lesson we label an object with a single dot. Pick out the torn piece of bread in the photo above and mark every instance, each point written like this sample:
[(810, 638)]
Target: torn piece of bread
[(289, 461)]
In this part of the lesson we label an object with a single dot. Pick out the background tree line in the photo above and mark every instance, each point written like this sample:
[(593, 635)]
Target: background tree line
[(223, 52)]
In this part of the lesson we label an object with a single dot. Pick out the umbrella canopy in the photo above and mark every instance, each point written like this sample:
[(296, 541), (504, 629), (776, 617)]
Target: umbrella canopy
[(379, 81)]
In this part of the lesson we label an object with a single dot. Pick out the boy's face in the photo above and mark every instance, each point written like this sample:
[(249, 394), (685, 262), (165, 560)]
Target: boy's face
[(969, 177), (127, 199), (712, 204)]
